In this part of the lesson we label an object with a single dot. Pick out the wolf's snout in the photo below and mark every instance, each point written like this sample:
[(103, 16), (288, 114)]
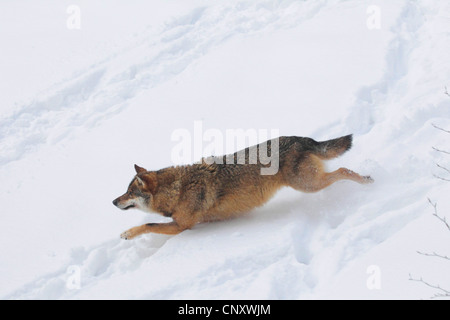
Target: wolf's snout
[(123, 204)]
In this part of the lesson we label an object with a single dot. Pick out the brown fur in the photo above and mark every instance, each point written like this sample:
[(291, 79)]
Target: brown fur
[(208, 192)]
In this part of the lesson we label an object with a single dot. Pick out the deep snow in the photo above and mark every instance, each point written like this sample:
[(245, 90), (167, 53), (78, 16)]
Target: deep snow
[(82, 106)]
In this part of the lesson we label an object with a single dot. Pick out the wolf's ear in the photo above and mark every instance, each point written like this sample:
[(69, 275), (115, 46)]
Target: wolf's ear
[(149, 180), (139, 169)]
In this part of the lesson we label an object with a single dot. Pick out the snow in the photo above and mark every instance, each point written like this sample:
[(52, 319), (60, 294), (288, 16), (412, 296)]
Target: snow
[(80, 107)]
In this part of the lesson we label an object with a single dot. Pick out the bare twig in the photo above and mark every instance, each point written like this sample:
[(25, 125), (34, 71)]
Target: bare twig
[(434, 254), (439, 128), (442, 129), (441, 291), (444, 168), (442, 219), (446, 92), (445, 293), (448, 180), (439, 150)]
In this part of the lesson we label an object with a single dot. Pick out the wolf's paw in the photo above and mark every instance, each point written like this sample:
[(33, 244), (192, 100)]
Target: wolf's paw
[(126, 235), (368, 179)]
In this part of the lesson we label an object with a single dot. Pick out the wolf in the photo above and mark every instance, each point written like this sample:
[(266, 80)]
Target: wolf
[(217, 190)]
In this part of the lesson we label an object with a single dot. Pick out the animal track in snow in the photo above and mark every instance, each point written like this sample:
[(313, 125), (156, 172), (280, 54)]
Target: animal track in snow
[(103, 90)]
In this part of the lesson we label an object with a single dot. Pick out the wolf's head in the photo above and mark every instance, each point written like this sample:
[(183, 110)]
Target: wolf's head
[(139, 192)]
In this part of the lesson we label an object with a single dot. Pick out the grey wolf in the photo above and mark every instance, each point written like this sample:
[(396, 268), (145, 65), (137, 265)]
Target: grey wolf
[(205, 192)]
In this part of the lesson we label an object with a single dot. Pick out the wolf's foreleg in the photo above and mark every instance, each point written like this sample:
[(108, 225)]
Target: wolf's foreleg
[(164, 228)]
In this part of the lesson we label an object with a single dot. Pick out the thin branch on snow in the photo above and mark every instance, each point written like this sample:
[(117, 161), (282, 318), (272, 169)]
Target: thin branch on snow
[(442, 129), (446, 92), (448, 180), (444, 168), (442, 219), (439, 150), (445, 293), (434, 254), (442, 292), (439, 128)]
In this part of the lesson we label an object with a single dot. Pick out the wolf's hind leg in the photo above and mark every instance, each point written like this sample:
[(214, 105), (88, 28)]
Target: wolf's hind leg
[(346, 174), (325, 179), (311, 176)]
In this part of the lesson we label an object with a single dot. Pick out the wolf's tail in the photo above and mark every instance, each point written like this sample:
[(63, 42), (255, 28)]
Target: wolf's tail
[(331, 149)]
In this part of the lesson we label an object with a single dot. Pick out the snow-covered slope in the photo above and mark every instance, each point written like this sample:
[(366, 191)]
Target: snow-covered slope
[(111, 96)]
